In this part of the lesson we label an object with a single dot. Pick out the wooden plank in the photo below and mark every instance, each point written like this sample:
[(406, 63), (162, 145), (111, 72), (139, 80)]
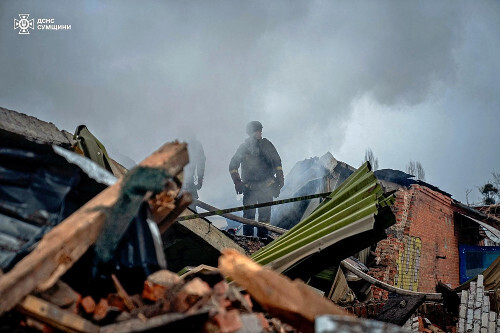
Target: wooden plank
[(61, 295), (55, 316), (340, 291), (291, 301), (123, 293), (67, 242), (64, 264), (243, 220)]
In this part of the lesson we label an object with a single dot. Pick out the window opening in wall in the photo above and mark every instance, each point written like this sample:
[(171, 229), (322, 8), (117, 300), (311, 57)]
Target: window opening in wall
[(475, 259)]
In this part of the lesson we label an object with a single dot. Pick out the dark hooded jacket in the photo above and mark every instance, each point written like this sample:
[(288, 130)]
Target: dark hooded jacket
[(258, 159)]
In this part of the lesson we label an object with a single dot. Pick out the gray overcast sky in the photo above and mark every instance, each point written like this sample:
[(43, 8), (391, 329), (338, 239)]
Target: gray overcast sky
[(412, 80)]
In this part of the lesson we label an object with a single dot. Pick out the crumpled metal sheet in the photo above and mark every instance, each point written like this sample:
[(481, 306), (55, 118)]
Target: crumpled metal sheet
[(491, 232), (41, 185), (358, 206), (92, 170), (38, 189)]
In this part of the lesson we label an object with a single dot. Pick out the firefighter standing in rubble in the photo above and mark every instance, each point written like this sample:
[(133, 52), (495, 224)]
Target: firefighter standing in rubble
[(261, 175)]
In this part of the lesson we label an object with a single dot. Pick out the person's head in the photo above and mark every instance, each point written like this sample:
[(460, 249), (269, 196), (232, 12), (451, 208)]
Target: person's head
[(254, 128)]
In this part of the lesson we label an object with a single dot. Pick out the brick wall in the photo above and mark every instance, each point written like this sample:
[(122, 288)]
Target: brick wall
[(477, 312), (422, 247)]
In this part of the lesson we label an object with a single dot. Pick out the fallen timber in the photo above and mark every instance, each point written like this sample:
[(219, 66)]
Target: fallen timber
[(259, 205), (291, 301), (240, 219), (53, 315)]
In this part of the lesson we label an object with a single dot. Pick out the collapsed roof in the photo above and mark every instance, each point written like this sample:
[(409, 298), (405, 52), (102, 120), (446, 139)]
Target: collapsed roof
[(32, 168), (325, 174)]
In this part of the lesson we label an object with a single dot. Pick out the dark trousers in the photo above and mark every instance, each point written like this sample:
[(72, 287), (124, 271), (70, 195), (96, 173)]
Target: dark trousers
[(255, 196)]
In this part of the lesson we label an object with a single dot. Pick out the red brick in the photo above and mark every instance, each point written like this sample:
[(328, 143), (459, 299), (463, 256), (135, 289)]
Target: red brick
[(88, 304), (191, 293)]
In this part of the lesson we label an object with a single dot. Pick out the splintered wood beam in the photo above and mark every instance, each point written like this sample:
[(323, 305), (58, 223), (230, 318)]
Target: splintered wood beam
[(243, 220), (180, 205), (291, 301), (62, 246), (123, 293), (55, 316)]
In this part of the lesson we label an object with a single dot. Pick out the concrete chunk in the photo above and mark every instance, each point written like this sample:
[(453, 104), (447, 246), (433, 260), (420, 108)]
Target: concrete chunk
[(486, 304), (477, 314), (472, 295), (480, 280), (491, 327), (462, 311), (484, 319), (464, 297), (479, 293), (470, 317), (15, 125), (461, 325)]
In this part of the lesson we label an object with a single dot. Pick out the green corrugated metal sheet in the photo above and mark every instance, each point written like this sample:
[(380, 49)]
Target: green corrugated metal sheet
[(349, 210)]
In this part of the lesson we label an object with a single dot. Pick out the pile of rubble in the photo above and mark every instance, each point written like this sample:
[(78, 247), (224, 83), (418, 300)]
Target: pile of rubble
[(90, 263), (200, 300), (85, 246)]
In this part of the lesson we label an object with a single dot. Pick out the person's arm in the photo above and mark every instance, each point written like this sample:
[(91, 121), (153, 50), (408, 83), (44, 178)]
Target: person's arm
[(276, 163), (234, 165)]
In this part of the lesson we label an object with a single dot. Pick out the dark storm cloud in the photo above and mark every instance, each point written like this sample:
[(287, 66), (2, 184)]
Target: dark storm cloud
[(141, 73)]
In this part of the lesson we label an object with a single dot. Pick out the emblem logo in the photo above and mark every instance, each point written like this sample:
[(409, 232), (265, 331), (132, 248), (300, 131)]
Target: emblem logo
[(24, 24)]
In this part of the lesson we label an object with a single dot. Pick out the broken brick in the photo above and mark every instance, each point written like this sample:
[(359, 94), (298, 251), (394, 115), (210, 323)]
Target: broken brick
[(190, 294), (88, 304), (116, 301), (158, 283), (153, 292), (164, 278), (101, 310)]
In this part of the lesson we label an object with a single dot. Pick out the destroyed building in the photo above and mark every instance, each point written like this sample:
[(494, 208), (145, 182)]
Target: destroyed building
[(435, 238), (61, 218), (431, 231)]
